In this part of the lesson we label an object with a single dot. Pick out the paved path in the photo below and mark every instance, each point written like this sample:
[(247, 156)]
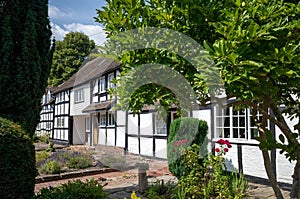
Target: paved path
[(120, 184)]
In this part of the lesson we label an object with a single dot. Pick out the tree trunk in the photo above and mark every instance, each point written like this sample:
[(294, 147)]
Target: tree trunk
[(295, 192), (271, 175)]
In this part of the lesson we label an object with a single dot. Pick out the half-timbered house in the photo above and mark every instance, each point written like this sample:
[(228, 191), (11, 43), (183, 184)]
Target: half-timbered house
[(84, 113)]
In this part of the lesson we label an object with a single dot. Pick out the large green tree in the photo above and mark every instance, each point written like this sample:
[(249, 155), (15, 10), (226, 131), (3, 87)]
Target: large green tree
[(25, 60), (254, 44), (68, 56)]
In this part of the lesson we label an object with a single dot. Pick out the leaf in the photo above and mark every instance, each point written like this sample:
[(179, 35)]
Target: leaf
[(281, 138)]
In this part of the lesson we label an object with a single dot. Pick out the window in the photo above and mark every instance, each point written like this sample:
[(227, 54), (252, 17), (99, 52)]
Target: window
[(102, 85), (60, 122), (102, 119), (110, 81), (79, 95), (231, 123), (160, 125), (87, 124), (59, 97), (111, 119)]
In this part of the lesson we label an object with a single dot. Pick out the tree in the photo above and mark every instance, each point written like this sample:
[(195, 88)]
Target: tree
[(68, 56), (25, 60), (255, 45)]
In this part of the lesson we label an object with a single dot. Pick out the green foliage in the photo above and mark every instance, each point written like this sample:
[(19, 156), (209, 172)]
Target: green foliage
[(42, 155), (219, 183), (60, 159), (17, 165), (184, 132), (74, 189), (208, 178), (79, 162), (68, 56), (25, 60), (44, 138), (50, 167), (160, 190)]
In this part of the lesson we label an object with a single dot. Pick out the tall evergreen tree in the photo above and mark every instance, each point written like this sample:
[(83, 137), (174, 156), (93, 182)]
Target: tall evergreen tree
[(68, 56), (25, 59)]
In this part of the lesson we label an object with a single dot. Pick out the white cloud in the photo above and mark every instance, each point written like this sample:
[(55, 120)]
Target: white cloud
[(55, 13), (94, 32), (58, 32)]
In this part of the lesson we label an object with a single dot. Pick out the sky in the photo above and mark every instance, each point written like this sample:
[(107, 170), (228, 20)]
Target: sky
[(76, 15)]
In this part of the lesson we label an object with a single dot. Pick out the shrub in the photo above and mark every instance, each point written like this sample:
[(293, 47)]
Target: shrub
[(183, 133), (40, 156), (209, 178), (63, 158), (74, 189), (17, 165), (79, 162), (50, 167)]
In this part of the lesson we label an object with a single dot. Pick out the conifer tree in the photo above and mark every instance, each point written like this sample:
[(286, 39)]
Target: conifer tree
[(25, 60)]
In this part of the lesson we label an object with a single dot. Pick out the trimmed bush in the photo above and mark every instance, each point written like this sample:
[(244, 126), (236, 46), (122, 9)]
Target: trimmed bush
[(184, 132), (90, 189), (17, 165)]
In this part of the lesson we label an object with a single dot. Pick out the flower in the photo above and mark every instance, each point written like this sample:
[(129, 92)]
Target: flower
[(224, 147), (185, 141)]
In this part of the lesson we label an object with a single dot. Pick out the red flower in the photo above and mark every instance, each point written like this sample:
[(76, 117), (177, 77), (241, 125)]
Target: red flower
[(229, 145), (221, 141), (225, 150), (217, 150), (185, 141)]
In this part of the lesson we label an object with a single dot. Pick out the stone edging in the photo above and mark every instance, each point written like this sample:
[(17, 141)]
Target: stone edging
[(73, 174)]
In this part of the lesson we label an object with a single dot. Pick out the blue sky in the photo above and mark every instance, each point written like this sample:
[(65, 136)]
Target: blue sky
[(76, 15)]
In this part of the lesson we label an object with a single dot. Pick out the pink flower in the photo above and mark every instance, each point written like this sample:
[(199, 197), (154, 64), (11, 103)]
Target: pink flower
[(185, 141), (217, 150), (179, 142), (225, 150)]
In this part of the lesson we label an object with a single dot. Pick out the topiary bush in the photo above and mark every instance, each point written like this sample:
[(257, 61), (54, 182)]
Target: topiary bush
[(17, 165), (184, 132)]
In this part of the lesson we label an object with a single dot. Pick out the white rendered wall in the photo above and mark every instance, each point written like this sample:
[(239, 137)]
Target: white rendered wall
[(146, 124), (147, 146), (101, 136), (111, 137), (121, 122), (133, 146), (76, 108), (132, 124), (161, 148)]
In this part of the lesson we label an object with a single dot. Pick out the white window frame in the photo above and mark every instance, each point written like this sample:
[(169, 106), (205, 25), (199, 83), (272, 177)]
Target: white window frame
[(111, 119), (102, 119), (60, 122), (110, 83), (160, 125), (79, 95), (102, 85), (229, 121)]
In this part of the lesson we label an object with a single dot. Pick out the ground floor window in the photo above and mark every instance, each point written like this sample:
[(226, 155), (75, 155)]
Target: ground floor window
[(160, 125), (60, 122), (111, 119), (102, 119), (234, 123)]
